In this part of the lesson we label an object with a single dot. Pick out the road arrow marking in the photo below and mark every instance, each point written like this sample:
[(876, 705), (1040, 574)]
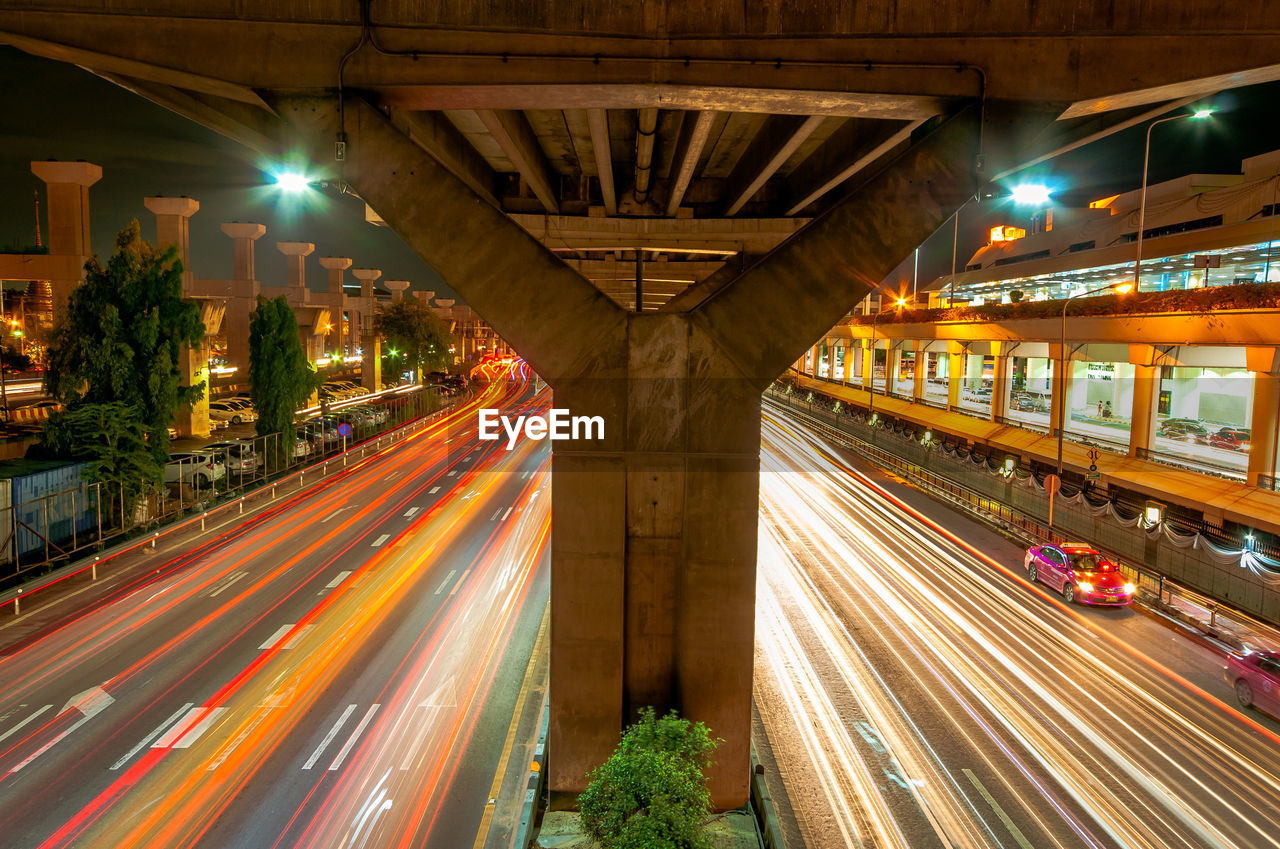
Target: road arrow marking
[(91, 702)]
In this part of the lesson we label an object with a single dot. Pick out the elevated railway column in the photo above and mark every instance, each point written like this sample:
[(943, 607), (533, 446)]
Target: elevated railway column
[(654, 526)]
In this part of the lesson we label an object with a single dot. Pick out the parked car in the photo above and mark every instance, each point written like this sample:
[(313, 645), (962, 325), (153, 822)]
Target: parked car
[(1183, 430), (377, 412), (239, 403), (341, 391), (241, 459), (194, 468), (1229, 438), (1029, 402), (356, 389), (224, 411), (1256, 679), (1079, 573)]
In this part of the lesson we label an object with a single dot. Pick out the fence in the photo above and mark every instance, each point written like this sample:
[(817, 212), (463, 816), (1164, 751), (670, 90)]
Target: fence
[(1020, 524), (37, 533)]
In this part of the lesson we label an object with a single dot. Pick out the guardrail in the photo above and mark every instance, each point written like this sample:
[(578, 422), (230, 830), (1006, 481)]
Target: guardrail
[(318, 471), (1217, 620)]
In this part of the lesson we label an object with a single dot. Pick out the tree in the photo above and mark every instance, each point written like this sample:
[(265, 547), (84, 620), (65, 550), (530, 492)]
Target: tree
[(111, 438), (280, 378), (651, 793), (120, 336), (414, 332)]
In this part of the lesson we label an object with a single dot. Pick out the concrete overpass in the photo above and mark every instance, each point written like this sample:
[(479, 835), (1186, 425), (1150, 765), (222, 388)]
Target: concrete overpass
[(790, 155)]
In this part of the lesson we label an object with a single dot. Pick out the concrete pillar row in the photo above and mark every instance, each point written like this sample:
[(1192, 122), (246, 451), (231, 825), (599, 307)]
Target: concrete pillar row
[(848, 362), (1002, 382), (1264, 425), (654, 525), (868, 365), (1061, 387), (67, 211)]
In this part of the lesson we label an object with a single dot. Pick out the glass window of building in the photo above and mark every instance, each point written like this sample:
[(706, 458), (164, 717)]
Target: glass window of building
[(977, 383), (1203, 418), (935, 380), (1100, 403), (1030, 391)]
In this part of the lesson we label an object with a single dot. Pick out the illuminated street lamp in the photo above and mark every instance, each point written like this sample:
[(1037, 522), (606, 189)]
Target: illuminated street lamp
[(1120, 289), (1021, 194), (1198, 115)]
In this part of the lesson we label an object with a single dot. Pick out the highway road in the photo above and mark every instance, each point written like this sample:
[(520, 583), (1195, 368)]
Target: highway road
[(340, 673), (913, 690)]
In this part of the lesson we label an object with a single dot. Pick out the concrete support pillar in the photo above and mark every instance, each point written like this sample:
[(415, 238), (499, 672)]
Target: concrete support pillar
[(921, 372), (243, 295), (1265, 421), (295, 255), (1061, 398), (67, 210), (1146, 361), (366, 276), (653, 543), (397, 288), (336, 340), (956, 354), (868, 365), (173, 227), (1002, 380), (849, 353), (371, 362), (173, 217)]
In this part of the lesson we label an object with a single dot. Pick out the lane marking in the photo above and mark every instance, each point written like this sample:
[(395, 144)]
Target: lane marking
[(524, 474), (393, 475), (334, 513), (452, 472), (182, 727), (293, 641), (1004, 818), (276, 637), (341, 576), (408, 514), (90, 703), (355, 735), (433, 490), (153, 735), (380, 540), (194, 732), (494, 517), (220, 590), (465, 572), (506, 514), (445, 582), (23, 723), (328, 738)]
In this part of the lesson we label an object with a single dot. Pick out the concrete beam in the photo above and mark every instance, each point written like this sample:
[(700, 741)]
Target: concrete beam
[(772, 146), (646, 137), (245, 123), (851, 149), (805, 286), (559, 323), (693, 137), (717, 237), (598, 124), (437, 136), (511, 130)]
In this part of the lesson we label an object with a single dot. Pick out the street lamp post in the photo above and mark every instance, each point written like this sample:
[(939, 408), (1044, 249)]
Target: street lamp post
[(1199, 114), (1061, 376)]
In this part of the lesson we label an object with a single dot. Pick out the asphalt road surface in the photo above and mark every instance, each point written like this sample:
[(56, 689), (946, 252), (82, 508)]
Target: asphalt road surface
[(913, 690), (341, 673)]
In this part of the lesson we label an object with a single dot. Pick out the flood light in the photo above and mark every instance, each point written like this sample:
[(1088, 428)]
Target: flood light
[(292, 182), (1031, 193)]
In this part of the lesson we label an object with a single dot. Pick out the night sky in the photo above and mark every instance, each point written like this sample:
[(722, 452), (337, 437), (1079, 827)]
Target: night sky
[(53, 110)]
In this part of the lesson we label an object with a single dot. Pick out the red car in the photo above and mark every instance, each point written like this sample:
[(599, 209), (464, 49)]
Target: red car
[(1256, 678), (1229, 438), (1079, 573)]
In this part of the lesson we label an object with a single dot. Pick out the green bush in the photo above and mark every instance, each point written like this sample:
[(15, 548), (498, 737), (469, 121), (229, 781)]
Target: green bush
[(651, 793)]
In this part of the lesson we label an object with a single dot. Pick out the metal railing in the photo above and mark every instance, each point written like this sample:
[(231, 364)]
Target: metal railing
[(111, 524)]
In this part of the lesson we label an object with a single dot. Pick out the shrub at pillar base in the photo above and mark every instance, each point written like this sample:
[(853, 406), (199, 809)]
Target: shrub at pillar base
[(651, 793)]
